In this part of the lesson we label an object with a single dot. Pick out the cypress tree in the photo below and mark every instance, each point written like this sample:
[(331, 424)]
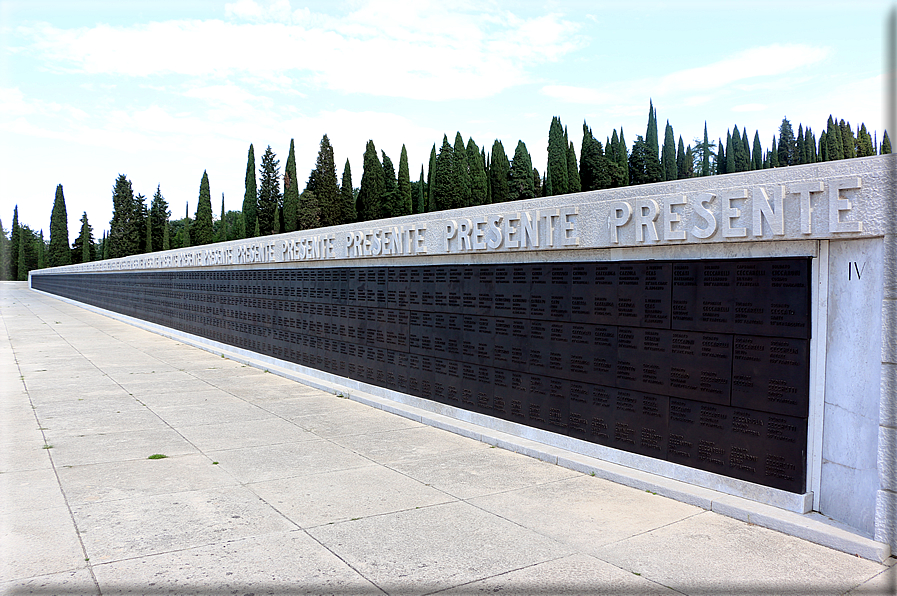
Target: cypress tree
[(308, 215), (745, 150), (21, 267), (388, 202), (885, 144), (347, 196), (848, 142), (14, 244), (834, 148), (446, 189), (705, 151), (801, 145), (461, 172), (290, 192), (250, 197), (159, 214), (810, 144), (403, 205), (644, 167), (202, 232), (166, 240), (83, 247), (651, 139), (41, 251), (499, 172), (556, 169), (623, 159), (681, 169), (786, 144), (537, 183), (224, 231), (774, 155), (368, 203), (4, 254), (587, 158), (269, 198), (431, 179), (520, 185), (823, 147), (668, 155), (757, 153), (326, 189), (689, 163), (477, 168), (125, 229), (421, 204), (731, 162), (597, 169), (864, 142), (59, 252), (574, 184), (720, 158), (149, 234)]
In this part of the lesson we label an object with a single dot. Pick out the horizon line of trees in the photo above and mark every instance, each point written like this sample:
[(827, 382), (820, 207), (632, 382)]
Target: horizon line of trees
[(458, 174)]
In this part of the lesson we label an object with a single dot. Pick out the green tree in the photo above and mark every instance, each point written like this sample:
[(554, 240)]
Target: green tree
[(202, 232), (520, 185), (644, 167), (250, 197), (757, 152), (668, 154), (574, 184), (721, 158), (689, 163), (222, 235), (885, 144), (848, 142), (681, 166), (404, 202), (148, 239), (14, 245), (461, 171), (810, 143), (347, 196), (59, 253), (41, 251), (537, 183), (159, 214), (127, 225), (389, 199), (834, 147), (368, 203), (651, 139), (420, 194), (326, 189), (706, 150), (83, 246), (4, 255), (309, 213), (801, 155), (431, 178), (445, 182), (787, 144), (556, 168), (290, 192), (269, 193), (499, 172), (595, 169), (774, 154), (865, 148), (477, 168)]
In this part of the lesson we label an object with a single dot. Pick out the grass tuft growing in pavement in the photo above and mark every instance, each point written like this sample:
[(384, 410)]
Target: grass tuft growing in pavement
[(157, 456)]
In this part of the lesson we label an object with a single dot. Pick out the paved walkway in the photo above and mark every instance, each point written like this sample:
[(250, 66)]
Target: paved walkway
[(271, 487)]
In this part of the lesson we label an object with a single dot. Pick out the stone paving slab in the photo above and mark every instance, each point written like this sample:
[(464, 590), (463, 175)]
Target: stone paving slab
[(313, 494)]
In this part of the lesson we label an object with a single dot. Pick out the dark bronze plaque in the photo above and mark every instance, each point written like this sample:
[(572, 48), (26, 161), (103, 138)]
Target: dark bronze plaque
[(771, 374), (700, 366)]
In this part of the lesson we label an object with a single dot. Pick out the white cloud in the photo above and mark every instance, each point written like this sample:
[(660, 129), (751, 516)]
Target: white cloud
[(749, 107), (418, 51)]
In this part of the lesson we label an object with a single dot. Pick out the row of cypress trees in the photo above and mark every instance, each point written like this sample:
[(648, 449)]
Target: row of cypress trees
[(458, 174)]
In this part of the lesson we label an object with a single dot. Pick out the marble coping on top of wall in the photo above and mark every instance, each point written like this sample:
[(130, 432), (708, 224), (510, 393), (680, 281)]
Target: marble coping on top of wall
[(832, 200)]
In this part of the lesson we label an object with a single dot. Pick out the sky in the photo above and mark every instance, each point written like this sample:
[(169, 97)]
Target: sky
[(162, 90)]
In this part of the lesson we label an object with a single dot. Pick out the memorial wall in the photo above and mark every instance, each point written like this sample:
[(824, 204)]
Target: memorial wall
[(672, 321)]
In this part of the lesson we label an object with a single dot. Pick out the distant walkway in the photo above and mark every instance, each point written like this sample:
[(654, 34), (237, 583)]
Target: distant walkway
[(271, 487)]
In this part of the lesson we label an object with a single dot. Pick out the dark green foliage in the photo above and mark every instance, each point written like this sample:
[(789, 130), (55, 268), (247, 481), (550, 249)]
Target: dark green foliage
[(83, 247), (885, 144), (732, 150), (801, 145), (403, 194), (367, 205), (574, 184), (31, 245), (681, 168), (148, 239), (233, 224), (774, 155), (520, 184), (651, 139), (4, 255), (420, 205), (446, 189), (269, 193), (326, 189), (127, 226), (347, 196), (388, 200), (757, 153), (848, 143), (21, 265), (461, 172), (290, 192), (746, 150), (166, 237), (787, 144), (622, 160), (431, 179), (810, 144), (706, 149), (668, 154), (537, 183), (14, 244), (721, 158), (41, 251), (278, 220), (308, 216), (250, 197), (865, 148), (823, 146), (202, 231), (689, 163), (834, 148), (644, 167), (59, 252), (556, 169), (594, 166), (477, 167), (159, 214), (498, 173)]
